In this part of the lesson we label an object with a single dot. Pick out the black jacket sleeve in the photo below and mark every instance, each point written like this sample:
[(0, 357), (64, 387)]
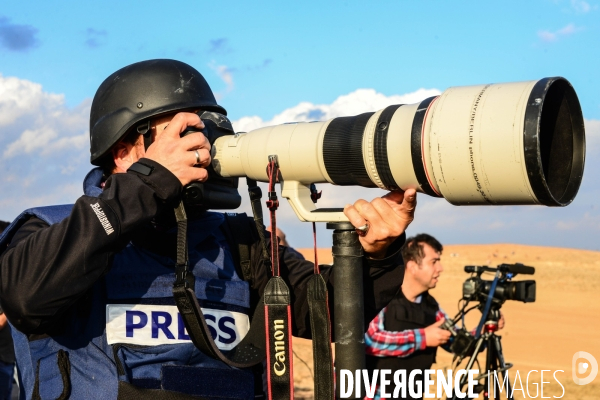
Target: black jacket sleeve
[(381, 279), (45, 269)]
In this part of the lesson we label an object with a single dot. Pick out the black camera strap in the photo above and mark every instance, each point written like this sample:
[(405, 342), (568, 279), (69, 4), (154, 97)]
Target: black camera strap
[(255, 194), (320, 325), (270, 329), (250, 351)]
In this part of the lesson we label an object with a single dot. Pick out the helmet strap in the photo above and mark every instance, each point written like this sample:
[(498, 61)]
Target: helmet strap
[(144, 130)]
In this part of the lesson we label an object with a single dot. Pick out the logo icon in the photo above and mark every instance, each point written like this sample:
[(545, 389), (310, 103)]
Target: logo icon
[(580, 367)]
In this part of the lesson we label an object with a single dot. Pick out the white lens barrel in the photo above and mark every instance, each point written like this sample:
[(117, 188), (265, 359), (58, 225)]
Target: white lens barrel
[(507, 143), (297, 146)]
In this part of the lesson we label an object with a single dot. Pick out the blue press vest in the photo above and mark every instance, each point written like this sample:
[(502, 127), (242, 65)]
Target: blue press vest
[(140, 282)]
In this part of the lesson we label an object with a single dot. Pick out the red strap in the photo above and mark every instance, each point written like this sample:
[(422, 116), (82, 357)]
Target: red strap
[(280, 376), (273, 204), (317, 270)]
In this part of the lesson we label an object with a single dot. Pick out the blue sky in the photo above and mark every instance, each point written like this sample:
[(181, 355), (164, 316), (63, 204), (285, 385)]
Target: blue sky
[(271, 61)]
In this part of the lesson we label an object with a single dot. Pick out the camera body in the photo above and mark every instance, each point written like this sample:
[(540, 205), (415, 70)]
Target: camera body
[(477, 289), (217, 192)]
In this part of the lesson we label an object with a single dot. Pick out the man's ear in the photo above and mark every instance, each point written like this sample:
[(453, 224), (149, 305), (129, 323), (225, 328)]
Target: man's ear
[(122, 154), (411, 266)]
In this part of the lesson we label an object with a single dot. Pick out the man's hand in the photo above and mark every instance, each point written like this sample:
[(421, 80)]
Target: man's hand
[(178, 154), (387, 217), (501, 321), (280, 236), (436, 336)]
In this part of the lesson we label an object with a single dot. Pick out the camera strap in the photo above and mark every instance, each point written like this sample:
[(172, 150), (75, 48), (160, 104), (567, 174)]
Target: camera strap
[(488, 304), (250, 351), (278, 316), (270, 328), (320, 325), (255, 194)]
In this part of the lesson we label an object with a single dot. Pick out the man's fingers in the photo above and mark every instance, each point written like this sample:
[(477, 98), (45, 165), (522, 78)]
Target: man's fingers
[(390, 219), (354, 216), (180, 155), (180, 123), (382, 207), (399, 196), (194, 141), (198, 175), (402, 202), (395, 196), (369, 213), (410, 199), (200, 157)]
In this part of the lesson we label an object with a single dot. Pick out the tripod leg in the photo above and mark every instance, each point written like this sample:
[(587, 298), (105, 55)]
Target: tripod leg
[(500, 361), (469, 365), (489, 367)]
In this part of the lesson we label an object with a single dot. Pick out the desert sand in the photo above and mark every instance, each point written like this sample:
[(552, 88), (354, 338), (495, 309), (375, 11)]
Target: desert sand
[(538, 336)]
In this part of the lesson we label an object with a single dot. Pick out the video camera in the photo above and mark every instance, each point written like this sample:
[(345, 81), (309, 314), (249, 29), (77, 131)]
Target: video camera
[(490, 295), (477, 289)]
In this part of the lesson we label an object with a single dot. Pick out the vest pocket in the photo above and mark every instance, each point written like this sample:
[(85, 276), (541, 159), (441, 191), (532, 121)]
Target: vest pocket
[(209, 383), (53, 377), (127, 391), (141, 365), (121, 362), (156, 371)]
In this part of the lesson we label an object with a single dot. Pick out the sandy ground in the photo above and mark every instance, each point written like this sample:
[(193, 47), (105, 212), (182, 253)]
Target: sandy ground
[(538, 336)]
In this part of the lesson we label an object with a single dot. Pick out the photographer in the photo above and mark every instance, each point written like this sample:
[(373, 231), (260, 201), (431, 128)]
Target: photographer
[(68, 273), (406, 334)]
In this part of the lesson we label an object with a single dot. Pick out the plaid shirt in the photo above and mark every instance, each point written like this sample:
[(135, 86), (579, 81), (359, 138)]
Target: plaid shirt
[(382, 343)]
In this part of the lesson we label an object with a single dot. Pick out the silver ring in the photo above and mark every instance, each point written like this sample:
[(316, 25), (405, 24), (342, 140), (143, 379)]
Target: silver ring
[(362, 230), (197, 157)]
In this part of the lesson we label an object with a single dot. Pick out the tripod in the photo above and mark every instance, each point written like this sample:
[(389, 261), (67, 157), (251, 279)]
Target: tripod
[(494, 361)]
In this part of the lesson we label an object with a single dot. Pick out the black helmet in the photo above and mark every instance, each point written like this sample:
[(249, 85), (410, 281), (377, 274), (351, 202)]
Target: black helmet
[(140, 91)]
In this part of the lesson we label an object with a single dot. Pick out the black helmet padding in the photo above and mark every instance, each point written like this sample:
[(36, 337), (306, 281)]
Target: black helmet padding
[(140, 91)]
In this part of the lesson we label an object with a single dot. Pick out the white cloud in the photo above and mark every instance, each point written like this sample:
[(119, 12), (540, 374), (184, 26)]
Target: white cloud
[(567, 30), (29, 141), (547, 36), (42, 141), (43, 147), (581, 6), (552, 36), (592, 136), (19, 97), (357, 102), (226, 75)]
